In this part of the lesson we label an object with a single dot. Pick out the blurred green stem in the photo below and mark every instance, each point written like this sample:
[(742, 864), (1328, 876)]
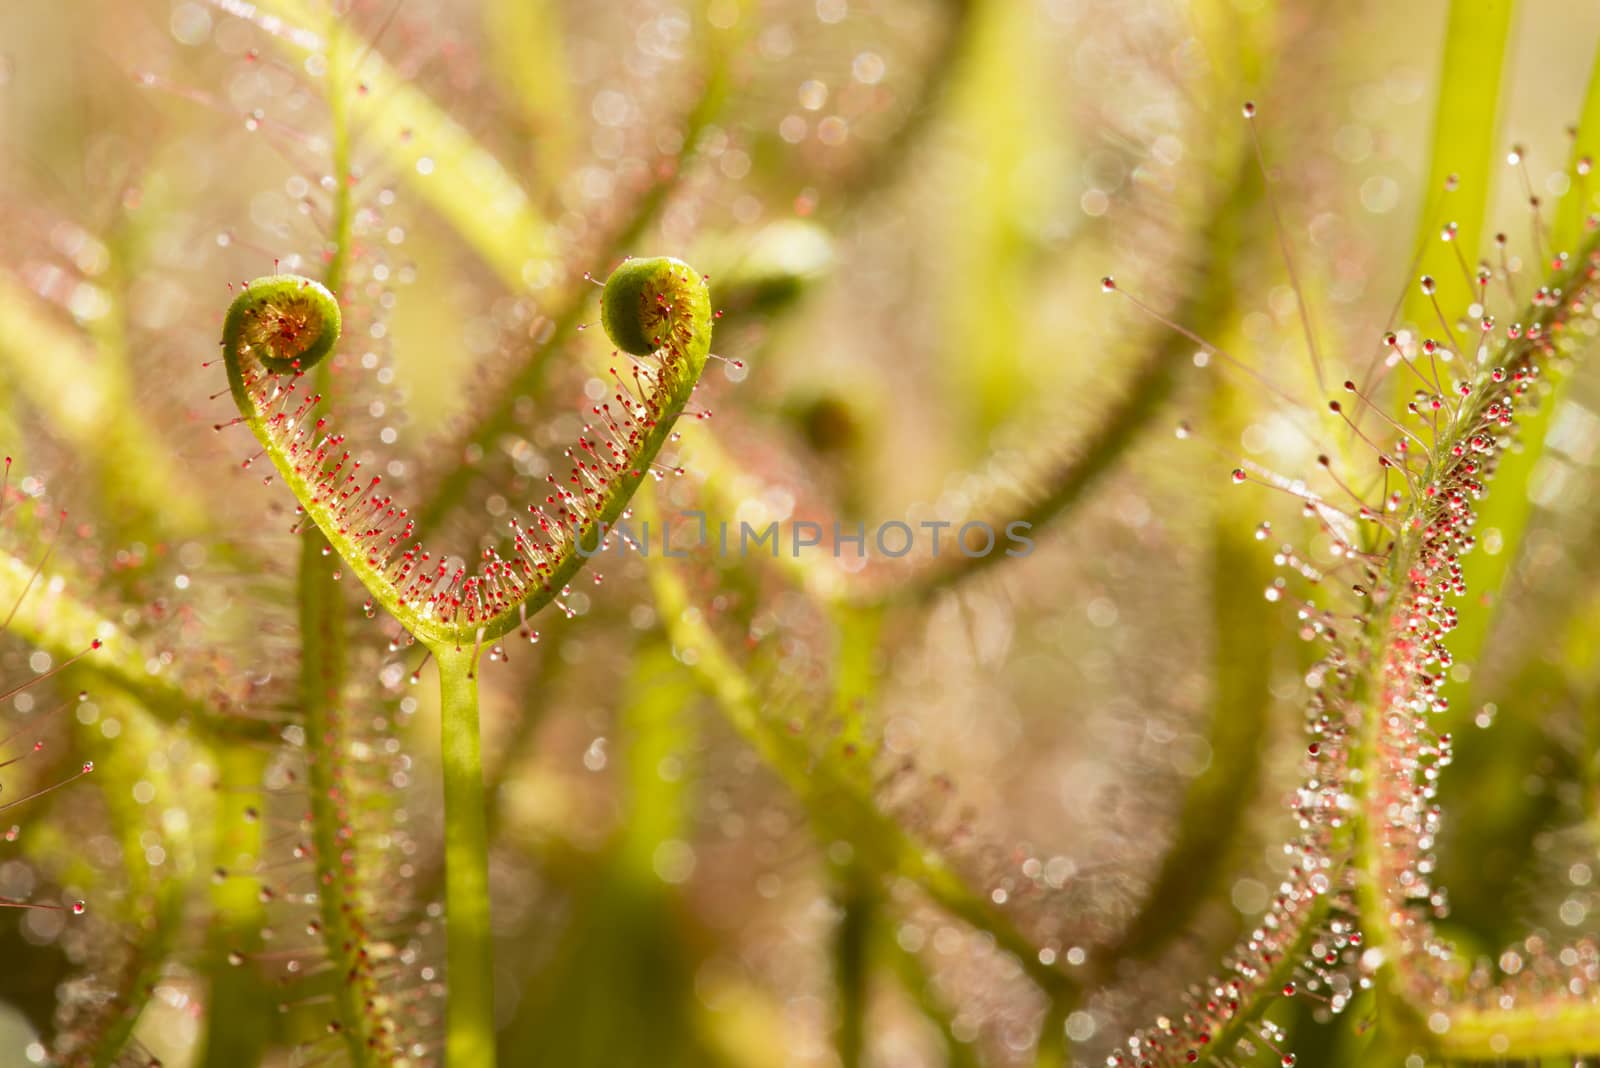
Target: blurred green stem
[(851, 965), (830, 789), (88, 395), (913, 976), (854, 686), (322, 653), (1053, 1050), (500, 417), (236, 1030), (342, 220), (483, 201), (469, 1014), (153, 896), (322, 677), (1220, 799)]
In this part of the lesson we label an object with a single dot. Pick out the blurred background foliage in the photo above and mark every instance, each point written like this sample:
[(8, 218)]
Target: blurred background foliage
[(905, 208)]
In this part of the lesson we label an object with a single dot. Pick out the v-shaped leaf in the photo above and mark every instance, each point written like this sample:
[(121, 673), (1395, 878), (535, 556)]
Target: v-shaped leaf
[(658, 312)]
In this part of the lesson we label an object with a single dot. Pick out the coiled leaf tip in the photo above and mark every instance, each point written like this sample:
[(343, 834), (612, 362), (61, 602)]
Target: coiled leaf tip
[(288, 322), (636, 306)]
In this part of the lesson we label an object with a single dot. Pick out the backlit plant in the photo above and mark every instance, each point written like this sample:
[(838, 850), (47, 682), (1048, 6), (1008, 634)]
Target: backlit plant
[(719, 777)]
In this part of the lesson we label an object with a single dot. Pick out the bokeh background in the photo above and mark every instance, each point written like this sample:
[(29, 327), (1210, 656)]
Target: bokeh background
[(905, 207)]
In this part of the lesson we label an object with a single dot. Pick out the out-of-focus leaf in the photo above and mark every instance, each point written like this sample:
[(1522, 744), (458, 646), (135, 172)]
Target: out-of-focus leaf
[(89, 403), (1504, 514), (623, 949), (429, 149), (1465, 135)]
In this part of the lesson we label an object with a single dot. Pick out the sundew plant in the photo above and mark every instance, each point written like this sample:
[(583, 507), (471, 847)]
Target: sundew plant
[(815, 533)]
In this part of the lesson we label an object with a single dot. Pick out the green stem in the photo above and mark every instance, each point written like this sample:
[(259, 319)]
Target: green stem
[(506, 760), (236, 1030), (854, 688), (339, 92), (469, 1013), (1555, 1029), (1053, 1050), (832, 792), (322, 641), (1406, 990), (1241, 1025), (909, 969), (851, 963), (322, 674), (153, 896)]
